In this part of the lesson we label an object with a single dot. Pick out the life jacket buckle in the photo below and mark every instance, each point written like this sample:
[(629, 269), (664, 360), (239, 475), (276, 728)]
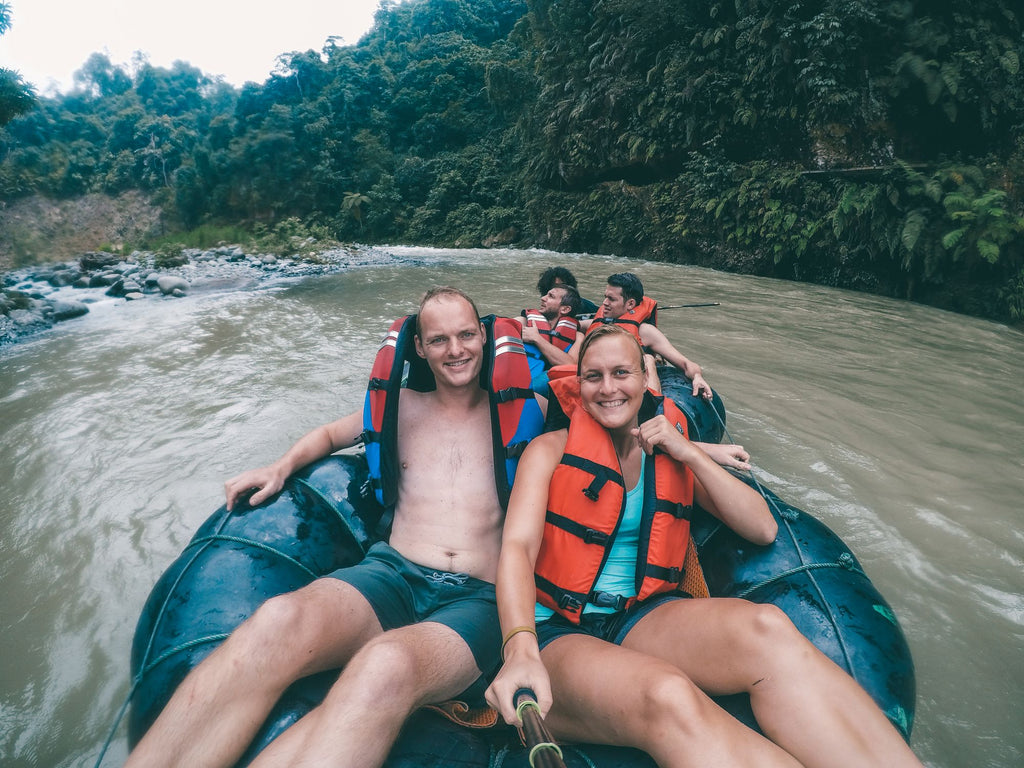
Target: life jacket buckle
[(607, 600), (569, 603), (592, 536)]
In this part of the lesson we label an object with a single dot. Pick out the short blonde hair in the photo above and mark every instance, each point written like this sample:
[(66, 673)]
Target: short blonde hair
[(603, 331)]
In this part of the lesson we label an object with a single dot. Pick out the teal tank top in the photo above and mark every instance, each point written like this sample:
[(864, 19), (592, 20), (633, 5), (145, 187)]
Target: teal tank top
[(618, 577)]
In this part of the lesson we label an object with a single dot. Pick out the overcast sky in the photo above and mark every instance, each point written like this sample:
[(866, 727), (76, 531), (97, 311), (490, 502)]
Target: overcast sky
[(239, 39)]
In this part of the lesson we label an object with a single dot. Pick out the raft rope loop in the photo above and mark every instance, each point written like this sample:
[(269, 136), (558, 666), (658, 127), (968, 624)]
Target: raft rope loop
[(200, 546)]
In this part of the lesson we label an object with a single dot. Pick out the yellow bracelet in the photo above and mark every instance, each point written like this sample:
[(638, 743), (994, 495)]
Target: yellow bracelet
[(512, 633)]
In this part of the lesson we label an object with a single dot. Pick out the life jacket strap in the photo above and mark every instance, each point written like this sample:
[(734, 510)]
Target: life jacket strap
[(564, 599), (514, 393), (678, 511), (589, 535), (370, 436), (515, 450), (668, 575), (377, 383), (601, 474)]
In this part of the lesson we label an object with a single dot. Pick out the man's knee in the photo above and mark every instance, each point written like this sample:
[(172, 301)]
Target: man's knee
[(282, 623), (386, 666)]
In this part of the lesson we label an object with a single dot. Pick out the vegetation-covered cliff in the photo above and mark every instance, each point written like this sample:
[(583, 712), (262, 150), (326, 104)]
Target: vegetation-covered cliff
[(870, 144)]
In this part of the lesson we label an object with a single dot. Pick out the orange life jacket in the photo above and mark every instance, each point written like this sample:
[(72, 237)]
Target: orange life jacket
[(644, 312), (562, 335), (586, 500)]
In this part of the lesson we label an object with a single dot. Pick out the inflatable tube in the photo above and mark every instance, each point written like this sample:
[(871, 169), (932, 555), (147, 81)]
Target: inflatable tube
[(705, 419), (234, 563), (321, 521), (815, 579)]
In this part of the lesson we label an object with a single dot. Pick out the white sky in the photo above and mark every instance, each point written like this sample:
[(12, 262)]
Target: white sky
[(49, 40)]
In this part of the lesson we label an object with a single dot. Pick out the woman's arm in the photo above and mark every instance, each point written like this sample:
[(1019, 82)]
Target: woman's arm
[(729, 499), (516, 590)]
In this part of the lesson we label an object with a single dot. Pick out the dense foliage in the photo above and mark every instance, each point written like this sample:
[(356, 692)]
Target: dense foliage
[(16, 96), (873, 144)]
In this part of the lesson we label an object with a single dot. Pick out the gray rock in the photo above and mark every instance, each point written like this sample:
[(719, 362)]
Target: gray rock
[(66, 310), (134, 296), (97, 260), (171, 285)]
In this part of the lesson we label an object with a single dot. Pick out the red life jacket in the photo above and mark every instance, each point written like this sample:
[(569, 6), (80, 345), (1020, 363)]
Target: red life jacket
[(586, 500), (644, 312), (516, 417), (563, 335)]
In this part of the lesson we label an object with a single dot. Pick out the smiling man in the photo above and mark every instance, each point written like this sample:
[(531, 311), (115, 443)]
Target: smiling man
[(415, 622), (625, 304)]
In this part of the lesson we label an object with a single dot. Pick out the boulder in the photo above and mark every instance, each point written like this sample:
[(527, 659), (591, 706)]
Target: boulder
[(172, 285), (66, 310), (97, 260)]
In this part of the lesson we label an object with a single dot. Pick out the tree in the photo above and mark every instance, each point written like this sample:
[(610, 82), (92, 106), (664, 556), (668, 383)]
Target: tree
[(16, 96)]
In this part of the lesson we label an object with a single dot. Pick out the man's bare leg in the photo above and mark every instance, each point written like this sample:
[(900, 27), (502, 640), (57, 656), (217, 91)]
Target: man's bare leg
[(802, 700), (382, 685), (219, 707)]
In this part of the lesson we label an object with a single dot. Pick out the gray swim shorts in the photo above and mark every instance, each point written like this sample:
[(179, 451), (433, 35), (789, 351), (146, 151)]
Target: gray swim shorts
[(403, 593)]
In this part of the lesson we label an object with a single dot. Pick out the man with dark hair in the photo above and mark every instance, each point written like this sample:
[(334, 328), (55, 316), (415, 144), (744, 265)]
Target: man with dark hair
[(625, 304), (549, 331), (553, 276), (415, 622)]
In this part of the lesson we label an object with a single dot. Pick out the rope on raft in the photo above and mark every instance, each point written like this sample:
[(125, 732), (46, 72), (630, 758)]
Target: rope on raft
[(788, 516), (146, 666)]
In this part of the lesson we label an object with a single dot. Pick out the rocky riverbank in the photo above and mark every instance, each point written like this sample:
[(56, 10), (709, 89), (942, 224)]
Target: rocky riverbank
[(34, 299)]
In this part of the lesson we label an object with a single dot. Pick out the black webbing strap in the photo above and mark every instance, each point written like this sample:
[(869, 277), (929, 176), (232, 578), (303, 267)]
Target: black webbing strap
[(589, 535), (601, 474), (678, 511)]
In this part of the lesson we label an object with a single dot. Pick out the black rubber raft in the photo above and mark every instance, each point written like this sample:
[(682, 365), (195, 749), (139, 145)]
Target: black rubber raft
[(322, 520)]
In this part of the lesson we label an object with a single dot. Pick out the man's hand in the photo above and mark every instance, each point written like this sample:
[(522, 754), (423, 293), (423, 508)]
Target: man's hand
[(266, 480), (531, 334), (701, 387)]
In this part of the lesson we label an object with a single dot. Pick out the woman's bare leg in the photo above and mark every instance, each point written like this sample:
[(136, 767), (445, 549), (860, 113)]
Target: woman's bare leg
[(802, 700), (611, 695)]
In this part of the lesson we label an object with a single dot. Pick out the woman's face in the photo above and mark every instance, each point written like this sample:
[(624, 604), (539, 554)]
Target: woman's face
[(612, 383)]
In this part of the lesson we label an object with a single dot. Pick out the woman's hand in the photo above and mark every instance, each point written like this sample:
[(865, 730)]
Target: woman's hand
[(522, 669), (659, 432)]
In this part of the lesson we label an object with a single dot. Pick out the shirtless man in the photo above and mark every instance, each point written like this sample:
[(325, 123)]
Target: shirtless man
[(444, 545)]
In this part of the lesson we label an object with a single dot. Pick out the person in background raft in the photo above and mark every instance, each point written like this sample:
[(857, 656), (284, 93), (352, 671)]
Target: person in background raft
[(625, 304), (553, 276), (415, 622), (549, 331), (591, 612)]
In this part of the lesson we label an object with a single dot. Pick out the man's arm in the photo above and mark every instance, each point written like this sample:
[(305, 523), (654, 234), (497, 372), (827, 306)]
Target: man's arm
[(658, 342), (322, 441), (551, 353)]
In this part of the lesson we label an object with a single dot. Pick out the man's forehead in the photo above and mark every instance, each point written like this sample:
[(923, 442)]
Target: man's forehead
[(446, 314)]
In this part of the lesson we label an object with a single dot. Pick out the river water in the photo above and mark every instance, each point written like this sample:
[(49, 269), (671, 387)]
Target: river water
[(900, 426)]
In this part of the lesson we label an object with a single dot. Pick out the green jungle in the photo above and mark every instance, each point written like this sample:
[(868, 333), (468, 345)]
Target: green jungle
[(876, 145)]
